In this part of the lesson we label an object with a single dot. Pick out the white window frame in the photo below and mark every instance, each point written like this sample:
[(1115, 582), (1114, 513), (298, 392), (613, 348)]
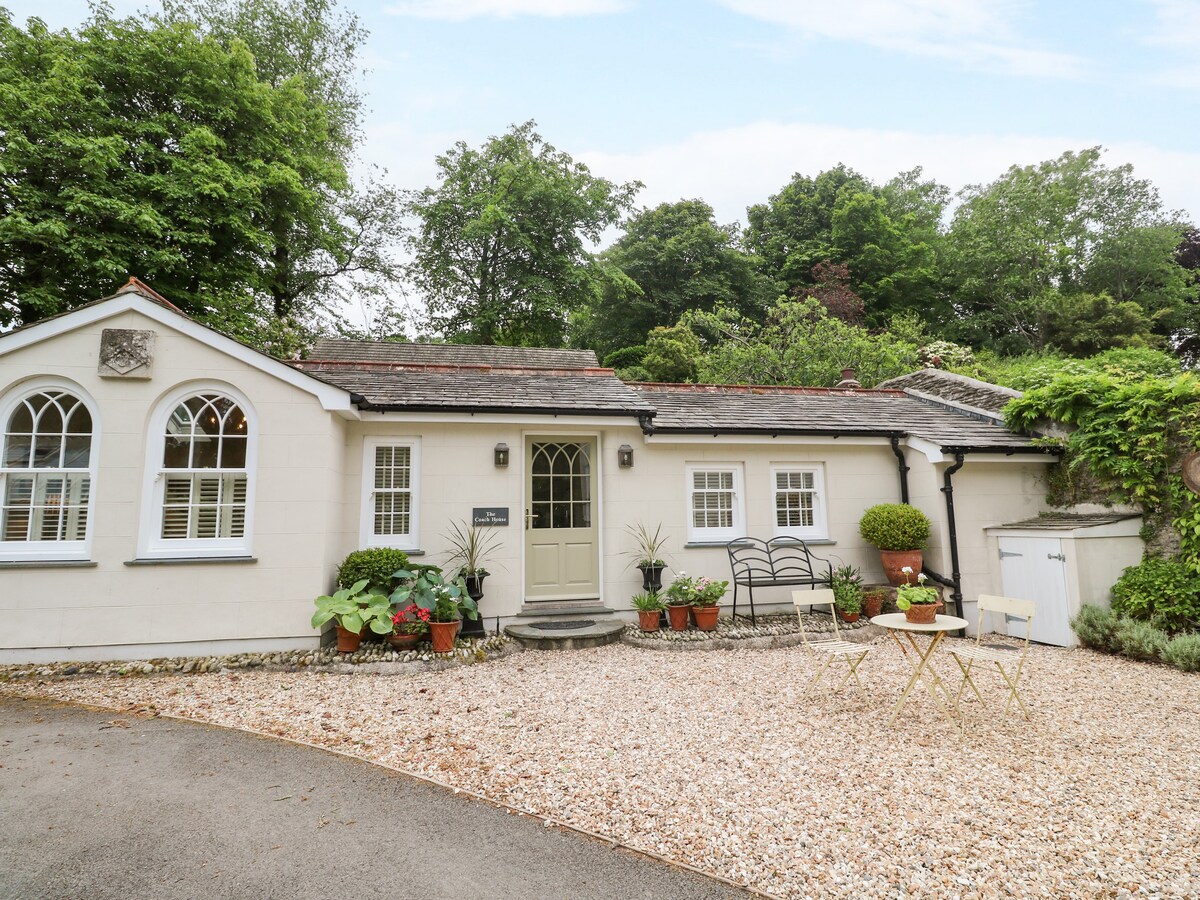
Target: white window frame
[(151, 545), (698, 535), (49, 551), (367, 535), (819, 530)]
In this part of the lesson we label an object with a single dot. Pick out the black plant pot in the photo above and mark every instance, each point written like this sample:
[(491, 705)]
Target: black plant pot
[(652, 578), (473, 628)]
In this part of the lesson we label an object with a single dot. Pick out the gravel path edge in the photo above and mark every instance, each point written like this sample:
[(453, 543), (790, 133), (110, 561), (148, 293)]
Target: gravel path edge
[(865, 634), (547, 821)]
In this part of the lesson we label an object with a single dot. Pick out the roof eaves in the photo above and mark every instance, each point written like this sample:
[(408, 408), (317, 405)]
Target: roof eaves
[(475, 409)]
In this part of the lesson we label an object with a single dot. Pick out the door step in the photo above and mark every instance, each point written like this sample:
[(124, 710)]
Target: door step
[(545, 610)]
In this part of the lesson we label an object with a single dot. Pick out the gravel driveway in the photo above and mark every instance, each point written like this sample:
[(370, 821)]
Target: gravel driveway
[(714, 759)]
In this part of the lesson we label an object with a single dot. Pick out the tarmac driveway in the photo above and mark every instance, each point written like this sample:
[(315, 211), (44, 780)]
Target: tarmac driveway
[(100, 804)]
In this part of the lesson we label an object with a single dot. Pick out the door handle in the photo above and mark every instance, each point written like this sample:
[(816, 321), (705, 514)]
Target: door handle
[(529, 517), (1059, 556), (1005, 554)]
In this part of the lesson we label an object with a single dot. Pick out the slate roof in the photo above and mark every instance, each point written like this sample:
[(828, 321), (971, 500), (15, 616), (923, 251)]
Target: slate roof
[(451, 354), (1071, 520), (959, 390), (743, 409)]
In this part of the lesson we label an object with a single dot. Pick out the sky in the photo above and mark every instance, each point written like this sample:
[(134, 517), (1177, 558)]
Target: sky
[(725, 100)]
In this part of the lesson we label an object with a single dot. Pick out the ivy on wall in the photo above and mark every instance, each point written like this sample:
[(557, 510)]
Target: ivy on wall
[(1131, 436)]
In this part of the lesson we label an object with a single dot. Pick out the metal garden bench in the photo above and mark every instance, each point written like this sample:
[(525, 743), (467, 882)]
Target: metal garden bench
[(780, 562)]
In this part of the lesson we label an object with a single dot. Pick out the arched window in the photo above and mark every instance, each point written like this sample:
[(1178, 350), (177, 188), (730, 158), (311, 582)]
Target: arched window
[(47, 469), (201, 454)]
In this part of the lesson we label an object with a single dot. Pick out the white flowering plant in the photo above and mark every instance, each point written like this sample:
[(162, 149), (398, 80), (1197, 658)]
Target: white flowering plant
[(908, 593)]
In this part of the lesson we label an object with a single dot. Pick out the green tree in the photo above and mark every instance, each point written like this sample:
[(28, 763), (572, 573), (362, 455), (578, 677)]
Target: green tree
[(671, 354), (1086, 324), (799, 343), (499, 249), (889, 238), (147, 146), (1063, 227), (675, 258)]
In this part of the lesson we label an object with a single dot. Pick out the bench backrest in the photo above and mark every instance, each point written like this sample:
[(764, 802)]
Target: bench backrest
[(782, 559)]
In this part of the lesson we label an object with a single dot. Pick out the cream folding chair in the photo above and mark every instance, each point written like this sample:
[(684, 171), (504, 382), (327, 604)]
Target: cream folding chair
[(1008, 661), (832, 649)]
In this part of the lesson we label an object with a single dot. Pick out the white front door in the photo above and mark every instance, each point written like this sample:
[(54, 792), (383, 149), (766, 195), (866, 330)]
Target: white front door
[(1036, 569), (562, 558)]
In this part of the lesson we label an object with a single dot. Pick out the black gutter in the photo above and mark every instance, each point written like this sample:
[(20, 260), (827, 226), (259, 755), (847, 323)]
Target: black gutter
[(777, 432), (955, 580), (903, 467)]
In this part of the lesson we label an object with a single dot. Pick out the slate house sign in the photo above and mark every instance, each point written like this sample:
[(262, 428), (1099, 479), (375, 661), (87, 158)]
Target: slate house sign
[(489, 515)]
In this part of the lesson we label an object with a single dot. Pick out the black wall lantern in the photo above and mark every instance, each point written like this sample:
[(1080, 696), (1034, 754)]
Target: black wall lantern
[(501, 456), (625, 456)]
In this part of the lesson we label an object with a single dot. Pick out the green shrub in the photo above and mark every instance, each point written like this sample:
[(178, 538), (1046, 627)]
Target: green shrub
[(1139, 640), (375, 565), (894, 526), (1183, 653), (1164, 592), (1095, 626), (626, 356)]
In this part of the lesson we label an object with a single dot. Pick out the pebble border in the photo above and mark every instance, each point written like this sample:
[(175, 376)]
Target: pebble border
[(374, 658), (782, 630)]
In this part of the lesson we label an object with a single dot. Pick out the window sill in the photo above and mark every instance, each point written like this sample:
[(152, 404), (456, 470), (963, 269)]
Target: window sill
[(815, 542), (48, 564), (696, 545), (194, 561), (810, 542)]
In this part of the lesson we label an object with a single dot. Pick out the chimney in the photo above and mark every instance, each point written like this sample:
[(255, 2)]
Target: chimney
[(848, 380)]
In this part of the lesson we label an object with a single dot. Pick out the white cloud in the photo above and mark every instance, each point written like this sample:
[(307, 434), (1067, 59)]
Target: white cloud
[(461, 10), (976, 33), (1176, 23), (734, 167)]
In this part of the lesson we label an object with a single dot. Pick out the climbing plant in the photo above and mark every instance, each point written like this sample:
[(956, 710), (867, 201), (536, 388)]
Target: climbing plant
[(1132, 436)]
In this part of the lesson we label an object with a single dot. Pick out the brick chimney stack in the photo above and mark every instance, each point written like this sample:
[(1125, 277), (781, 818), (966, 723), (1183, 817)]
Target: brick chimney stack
[(848, 380)]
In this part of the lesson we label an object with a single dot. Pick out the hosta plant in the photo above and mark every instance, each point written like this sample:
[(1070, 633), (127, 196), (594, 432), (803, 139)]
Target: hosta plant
[(354, 608), (424, 586)]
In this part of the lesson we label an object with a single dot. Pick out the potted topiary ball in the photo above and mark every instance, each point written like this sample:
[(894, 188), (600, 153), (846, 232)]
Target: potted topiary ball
[(900, 532)]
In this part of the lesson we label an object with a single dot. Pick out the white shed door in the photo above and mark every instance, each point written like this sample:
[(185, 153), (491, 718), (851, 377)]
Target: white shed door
[(1035, 569)]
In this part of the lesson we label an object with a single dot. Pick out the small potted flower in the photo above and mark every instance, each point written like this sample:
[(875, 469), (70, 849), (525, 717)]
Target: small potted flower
[(445, 601), (706, 594), (409, 627), (679, 601), (847, 592), (918, 602), (352, 609), (649, 606)]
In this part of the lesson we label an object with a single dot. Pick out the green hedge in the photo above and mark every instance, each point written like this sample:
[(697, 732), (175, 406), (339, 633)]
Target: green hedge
[(1111, 632), (375, 565), (1163, 592), (894, 526)]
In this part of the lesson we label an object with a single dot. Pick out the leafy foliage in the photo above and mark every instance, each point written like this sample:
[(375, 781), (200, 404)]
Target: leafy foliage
[(425, 587), (355, 607), (648, 601), (894, 526), (1139, 640), (1164, 592), (671, 354), (673, 258), (1183, 652), (375, 566), (498, 252), (799, 343), (1086, 324), (1094, 626), (199, 150), (1131, 435), (847, 584), (470, 546)]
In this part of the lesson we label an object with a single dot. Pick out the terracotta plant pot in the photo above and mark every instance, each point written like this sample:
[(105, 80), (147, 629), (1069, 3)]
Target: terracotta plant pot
[(872, 604), (923, 613), (895, 560), (848, 617), (649, 619), (679, 617), (403, 641), (347, 641), (706, 617), (441, 634)]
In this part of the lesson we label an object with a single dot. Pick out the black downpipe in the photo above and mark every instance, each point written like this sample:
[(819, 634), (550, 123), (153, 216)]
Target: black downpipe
[(903, 469), (955, 580)]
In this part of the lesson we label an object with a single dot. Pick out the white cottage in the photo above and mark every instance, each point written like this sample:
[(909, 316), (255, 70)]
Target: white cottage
[(169, 491)]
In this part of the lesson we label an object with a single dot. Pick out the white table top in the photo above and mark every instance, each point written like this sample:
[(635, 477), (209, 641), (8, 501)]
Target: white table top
[(897, 622)]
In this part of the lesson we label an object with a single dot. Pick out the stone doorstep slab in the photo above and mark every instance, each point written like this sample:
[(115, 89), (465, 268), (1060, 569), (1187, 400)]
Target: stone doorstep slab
[(594, 635)]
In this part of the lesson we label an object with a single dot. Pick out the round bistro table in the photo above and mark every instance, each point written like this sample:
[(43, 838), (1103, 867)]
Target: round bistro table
[(896, 624)]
